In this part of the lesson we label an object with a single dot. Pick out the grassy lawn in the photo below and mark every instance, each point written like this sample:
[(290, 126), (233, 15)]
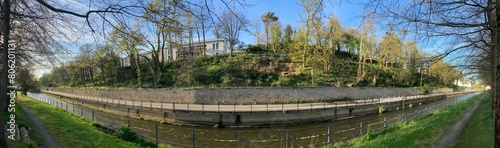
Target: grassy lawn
[(22, 121), (421, 132), (70, 130), (480, 131)]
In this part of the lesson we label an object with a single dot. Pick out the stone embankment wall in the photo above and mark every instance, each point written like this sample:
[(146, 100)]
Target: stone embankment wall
[(244, 95), (155, 95)]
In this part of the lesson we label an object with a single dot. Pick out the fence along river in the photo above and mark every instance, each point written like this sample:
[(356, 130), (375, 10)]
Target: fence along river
[(307, 135)]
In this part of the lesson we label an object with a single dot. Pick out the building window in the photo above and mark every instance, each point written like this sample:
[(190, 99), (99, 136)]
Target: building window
[(213, 46), (217, 46)]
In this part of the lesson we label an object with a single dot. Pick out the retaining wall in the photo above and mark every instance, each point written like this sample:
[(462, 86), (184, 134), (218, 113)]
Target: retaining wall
[(243, 95)]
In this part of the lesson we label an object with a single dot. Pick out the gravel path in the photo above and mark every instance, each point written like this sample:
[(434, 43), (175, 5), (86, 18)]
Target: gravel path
[(448, 140), (48, 140)]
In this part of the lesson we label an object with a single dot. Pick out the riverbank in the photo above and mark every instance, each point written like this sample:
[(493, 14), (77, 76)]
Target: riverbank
[(421, 132), (480, 132), (70, 130)]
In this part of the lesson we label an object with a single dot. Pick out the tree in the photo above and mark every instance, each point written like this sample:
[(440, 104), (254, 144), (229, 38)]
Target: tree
[(229, 27), (275, 36), (312, 8), (26, 80), (268, 18), (388, 52), (287, 37), (107, 61), (364, 46), (128, 43)]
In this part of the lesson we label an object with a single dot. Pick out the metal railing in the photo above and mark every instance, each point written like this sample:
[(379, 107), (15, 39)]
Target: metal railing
[(191, 137), (249, 108)]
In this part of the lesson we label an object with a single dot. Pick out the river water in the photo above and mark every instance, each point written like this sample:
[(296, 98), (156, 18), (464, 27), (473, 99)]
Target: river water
[(306, 135)]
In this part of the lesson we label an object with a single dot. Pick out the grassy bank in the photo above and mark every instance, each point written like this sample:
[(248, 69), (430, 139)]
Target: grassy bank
[(70, 130), (22, 121), (421, 132), (480, 131)]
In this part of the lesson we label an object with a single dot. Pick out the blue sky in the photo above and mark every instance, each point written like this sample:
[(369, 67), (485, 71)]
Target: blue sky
[(288, 12)]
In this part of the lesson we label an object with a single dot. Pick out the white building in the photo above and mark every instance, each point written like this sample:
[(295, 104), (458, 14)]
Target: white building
[(211, 47)]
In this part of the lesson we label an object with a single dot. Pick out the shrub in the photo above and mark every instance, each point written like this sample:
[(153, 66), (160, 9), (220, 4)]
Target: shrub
[(282, 81), (381, 109), (126, 133)]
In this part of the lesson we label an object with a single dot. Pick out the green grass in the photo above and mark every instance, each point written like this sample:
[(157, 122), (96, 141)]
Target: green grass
[(22, 121), (480, 131), (421, 132), (70, 130)]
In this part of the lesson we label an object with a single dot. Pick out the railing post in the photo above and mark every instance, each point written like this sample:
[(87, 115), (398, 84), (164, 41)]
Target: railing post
[(92, 116), (361, 128), (311, 106), (151, 104), (324, 105), (251, 108), (239, 139), (156, 127), (286, 139), (328, 134), (282, 108), (173, 106), (188, 106), (128, 125), (402, 116), (202, 107), (193, 144), (73, 108), (218, 107), (81, 111), (385, 121)]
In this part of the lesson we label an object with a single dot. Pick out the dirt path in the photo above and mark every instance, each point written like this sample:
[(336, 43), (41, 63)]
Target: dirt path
[(448, 140), (48, 140)]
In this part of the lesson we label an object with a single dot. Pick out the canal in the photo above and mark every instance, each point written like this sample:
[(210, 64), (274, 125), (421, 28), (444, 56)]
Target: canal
[(306, 135)]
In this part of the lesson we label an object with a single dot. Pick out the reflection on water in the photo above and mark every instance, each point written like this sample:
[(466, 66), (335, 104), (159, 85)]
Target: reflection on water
[(312, 134)]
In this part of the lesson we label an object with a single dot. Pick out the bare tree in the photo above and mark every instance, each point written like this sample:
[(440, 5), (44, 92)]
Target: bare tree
[(230, 26)]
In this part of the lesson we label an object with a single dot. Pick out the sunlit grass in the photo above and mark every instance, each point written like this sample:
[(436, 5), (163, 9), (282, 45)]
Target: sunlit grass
[(480, 132), (70, 130), (421, 132)]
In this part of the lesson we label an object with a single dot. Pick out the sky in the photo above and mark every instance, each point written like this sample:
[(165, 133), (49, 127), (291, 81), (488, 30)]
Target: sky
[(289, 11)]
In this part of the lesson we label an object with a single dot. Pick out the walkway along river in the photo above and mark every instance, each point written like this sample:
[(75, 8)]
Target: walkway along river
[(307, 135)]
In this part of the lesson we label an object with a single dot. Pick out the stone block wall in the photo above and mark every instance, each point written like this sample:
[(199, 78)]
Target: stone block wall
[(242, 95)]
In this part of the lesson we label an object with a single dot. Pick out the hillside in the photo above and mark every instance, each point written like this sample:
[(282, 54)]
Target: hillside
[(253, 70)]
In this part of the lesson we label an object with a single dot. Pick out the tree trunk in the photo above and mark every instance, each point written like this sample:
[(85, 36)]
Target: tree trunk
[(4, 79), (138, 70), (495, 69), (267, 35)]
